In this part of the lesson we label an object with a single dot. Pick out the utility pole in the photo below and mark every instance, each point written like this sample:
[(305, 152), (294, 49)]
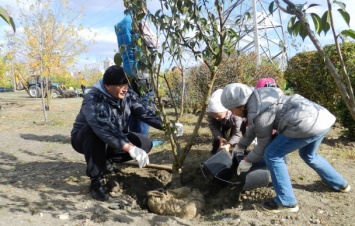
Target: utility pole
[(256, 33)]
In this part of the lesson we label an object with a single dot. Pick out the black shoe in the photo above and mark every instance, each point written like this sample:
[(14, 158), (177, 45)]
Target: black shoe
[(273, 207), (98, 191), (112, 167)]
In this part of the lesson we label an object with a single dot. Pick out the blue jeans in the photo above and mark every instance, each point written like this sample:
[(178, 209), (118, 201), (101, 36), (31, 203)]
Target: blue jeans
[(274, 157), (136, 125)]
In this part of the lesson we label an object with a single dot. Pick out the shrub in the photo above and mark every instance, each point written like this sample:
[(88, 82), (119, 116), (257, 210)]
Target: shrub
[(307, 71), (237, 68)]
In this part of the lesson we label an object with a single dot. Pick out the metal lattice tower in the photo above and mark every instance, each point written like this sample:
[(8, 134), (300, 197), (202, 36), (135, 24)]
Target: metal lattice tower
[(261, 32)]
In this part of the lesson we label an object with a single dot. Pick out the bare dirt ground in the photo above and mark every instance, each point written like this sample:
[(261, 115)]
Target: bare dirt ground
[(43, 179)]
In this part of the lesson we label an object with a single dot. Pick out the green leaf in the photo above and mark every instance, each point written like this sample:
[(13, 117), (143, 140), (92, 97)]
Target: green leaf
[(166, 5), (122, 49), (325, 24), (118, 59), (247, 15), (290, 25), (179, 5), (288, 9), (345, 16), (7, 18), (140, 16), (139, 42), (312, 5), (299, 7), (271, 7), (296, 28), (349, 33), (302, 32), (317, 22), (340, 4), (233, 34), (157, 13)]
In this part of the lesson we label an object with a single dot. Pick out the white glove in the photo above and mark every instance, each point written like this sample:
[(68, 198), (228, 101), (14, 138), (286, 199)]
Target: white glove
[(140, 155), (243, 167), (237, 151)]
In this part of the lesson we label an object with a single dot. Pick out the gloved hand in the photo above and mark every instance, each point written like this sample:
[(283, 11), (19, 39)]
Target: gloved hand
[(243, 167), (140, 155)]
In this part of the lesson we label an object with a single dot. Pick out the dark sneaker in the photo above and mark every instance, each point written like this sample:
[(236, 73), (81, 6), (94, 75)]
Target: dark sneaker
[(273, 207), (98, 191), (112, 167)]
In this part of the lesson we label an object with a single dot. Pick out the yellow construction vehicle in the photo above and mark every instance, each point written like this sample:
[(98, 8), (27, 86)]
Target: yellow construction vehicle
[(34, 85)]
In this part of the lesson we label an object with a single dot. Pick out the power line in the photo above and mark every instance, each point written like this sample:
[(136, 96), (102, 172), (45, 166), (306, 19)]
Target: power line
[(82, 3), (93, 17), (110, 18)]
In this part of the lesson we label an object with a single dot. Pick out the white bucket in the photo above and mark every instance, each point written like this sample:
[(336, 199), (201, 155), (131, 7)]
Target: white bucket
[(179, 129)]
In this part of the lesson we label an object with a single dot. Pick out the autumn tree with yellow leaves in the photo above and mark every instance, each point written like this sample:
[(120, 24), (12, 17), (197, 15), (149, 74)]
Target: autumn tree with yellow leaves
[(50, 42)]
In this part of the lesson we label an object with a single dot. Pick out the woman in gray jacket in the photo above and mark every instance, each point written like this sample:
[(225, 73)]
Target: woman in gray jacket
[(301, 123)]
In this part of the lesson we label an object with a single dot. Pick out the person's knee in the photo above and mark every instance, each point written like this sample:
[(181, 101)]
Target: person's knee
[(271, 155), (306, 157), (268, 154), (140, 141)]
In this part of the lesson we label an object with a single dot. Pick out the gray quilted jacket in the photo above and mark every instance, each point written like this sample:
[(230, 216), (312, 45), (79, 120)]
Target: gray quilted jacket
[(293, 116)]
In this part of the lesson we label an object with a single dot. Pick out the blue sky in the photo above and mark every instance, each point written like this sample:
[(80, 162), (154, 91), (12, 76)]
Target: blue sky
[(100, 17)]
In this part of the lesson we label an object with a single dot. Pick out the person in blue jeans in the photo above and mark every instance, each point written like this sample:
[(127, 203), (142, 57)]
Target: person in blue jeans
[(302, 125), (125, 34)]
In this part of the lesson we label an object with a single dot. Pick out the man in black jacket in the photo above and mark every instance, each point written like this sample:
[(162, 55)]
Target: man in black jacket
[(100, 130)]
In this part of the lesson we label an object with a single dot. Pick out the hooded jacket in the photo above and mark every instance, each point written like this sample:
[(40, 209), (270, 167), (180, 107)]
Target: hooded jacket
[(292, 116), (108, 117)]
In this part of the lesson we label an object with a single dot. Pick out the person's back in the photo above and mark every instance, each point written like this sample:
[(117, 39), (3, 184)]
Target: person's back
[(124, 36)]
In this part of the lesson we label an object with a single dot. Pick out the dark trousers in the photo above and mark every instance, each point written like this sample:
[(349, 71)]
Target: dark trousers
[(96, 152)]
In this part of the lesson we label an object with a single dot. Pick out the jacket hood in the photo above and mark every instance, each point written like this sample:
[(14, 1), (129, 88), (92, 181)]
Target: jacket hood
[(260, 100), (100, 86)]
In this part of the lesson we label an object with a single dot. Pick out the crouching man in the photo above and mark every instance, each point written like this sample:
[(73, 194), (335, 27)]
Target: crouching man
[(100, 130)]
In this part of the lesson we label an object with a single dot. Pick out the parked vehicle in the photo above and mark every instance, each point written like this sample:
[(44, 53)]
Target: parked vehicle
[(4, 89), (33, 87)]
